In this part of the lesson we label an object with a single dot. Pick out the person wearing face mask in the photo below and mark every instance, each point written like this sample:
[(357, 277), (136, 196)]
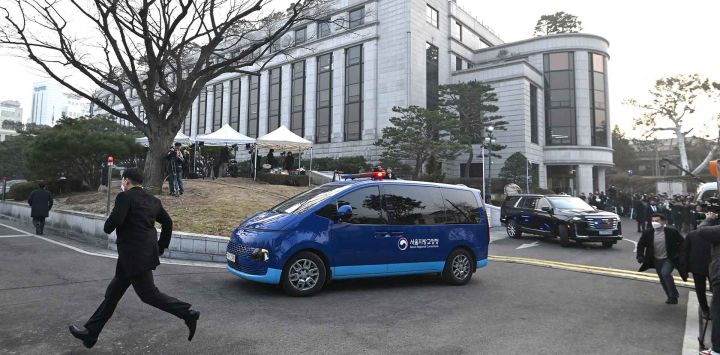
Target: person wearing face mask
[(659, 248), (133, 218)]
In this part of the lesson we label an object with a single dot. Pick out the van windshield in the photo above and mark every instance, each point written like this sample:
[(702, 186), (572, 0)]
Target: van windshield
[(306, 200)]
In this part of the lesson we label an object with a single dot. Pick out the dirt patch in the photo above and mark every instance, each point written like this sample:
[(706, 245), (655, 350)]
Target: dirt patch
[(207, 206)]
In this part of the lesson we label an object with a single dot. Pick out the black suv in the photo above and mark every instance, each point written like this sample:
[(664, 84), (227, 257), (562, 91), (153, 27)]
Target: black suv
[(563, 216)]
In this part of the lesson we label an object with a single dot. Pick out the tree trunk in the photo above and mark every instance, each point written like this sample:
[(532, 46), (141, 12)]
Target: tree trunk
[(418, 167), (469, 161), (160, 143), (681, 147), (705, 161)]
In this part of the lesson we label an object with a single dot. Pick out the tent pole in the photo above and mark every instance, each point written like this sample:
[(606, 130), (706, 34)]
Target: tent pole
[(310, 171), (255, 164)]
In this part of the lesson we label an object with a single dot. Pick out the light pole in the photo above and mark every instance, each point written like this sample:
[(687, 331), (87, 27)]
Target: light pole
[(489, 142)]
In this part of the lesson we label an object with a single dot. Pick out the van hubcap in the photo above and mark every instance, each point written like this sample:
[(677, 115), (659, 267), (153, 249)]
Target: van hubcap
[(461, 267), (304, 274)]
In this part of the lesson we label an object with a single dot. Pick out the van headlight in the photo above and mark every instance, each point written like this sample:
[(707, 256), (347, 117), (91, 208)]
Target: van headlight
[(260, 254)]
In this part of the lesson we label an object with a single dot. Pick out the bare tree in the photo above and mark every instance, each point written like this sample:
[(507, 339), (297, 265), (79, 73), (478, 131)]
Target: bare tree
[(159, 54), (674, 100)]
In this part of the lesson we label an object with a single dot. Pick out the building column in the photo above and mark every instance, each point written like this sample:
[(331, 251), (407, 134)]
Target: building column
[(194, 118), (244, 101), (582, 99), (601, 177), (209, 108), (263, 109), (285, 95), (338, 97), (584, 176), (226, 103), (310, 97)]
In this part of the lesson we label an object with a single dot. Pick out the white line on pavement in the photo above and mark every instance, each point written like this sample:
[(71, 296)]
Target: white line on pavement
[(693, 327), (15, 236), (113, 256), (15, 229), (631, 241)]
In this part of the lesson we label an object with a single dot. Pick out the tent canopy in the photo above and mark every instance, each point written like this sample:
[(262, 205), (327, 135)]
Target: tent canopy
[(180, 138), (224, 136), (284, 139)]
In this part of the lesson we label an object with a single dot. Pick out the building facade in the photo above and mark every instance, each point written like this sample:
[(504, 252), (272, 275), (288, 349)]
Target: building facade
[(10, 110), (51, 101), (340, 84)]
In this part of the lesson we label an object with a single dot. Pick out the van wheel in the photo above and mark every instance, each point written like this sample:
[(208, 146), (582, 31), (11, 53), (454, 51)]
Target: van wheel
[(458, 267), (303, 275), (564, 235), (513, 230)]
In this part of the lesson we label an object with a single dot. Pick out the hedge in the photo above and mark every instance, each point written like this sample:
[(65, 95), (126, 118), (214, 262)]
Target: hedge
[(349, 165), (282, 179), (21, 191)]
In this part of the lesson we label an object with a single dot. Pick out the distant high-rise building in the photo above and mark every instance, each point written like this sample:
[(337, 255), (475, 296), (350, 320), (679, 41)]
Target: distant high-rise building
[(10, 110), (51, 101)]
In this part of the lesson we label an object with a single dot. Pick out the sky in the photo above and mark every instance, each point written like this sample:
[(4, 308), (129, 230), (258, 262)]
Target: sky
[(648, 40)]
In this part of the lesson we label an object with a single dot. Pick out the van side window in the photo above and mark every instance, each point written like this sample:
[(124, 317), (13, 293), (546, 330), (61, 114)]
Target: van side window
[(461, 207), (410, 205), (366, 206)]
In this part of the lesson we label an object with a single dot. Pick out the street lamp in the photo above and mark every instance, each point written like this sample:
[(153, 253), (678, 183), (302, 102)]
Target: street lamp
[(489, 142)]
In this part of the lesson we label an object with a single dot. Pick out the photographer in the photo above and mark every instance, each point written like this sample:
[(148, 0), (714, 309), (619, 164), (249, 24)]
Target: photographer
[(709, 230), (175, 169), (695, 258)]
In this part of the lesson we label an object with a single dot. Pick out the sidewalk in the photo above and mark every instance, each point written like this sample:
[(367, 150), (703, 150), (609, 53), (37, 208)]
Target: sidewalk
[(694, 325)]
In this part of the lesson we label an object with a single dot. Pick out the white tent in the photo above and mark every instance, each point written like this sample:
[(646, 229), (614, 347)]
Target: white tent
[(226, 135), (179, 138), (284, 140)]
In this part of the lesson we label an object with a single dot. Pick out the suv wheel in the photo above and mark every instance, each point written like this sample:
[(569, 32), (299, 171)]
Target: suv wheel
[(513, 230), (458, 267), (303, 275), (564, 235)]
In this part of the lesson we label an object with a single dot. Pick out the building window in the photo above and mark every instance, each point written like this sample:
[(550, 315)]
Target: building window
[(357, 17), (235, 104), (217, 106), (457, 30), (297, 99), (323, 28), (431, 15), (353, 93), (598, 99), (431, 76), (324, 99), (274, 99), (187, 124), (253, 106), (533, 114), (300, 35), (202, 111), (458, 63), (560, 122)]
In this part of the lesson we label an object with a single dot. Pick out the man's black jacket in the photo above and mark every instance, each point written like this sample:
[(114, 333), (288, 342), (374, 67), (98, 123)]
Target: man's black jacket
[(712, 235), (695, 255), (40, 202), (646, 247), (133, 217)]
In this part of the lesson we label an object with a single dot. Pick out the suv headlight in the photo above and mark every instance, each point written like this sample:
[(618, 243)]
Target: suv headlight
[(576, 219)]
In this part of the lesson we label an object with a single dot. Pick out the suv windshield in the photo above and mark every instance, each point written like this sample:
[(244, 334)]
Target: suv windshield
[(306, 200), (569, 203)]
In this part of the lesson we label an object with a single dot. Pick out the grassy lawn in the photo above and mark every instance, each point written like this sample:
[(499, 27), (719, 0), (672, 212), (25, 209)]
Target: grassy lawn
[(207, 207)]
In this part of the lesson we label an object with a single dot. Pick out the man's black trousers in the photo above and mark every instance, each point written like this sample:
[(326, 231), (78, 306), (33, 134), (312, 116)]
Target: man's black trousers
[(715, 314), (700, 288), (144, 286), (39, 224)]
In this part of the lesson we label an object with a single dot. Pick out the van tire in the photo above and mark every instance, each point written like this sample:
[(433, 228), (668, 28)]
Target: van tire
[(564, 235), (513, 230), (308, 266), (459, 267)]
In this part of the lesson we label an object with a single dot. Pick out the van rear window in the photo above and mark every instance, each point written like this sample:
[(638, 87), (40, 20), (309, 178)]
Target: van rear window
[(461, 207)]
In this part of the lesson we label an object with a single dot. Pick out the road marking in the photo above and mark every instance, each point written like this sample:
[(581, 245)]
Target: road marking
[(114, 256), (528, 245), (587, 269), (694, 326), (631, 241), (15, 236)]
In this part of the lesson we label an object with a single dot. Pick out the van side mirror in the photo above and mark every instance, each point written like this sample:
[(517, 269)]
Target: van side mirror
[(344, 212), (547, 209)]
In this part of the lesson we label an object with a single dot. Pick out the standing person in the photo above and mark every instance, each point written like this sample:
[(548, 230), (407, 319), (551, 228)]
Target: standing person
[(186, 162), (134, 217), (289, 162), (175, 162), (252, 163), (709, 230), (650, 210), (270, 159), (659, 248), (639, 212), (390, 174), (40, 202), (695, 258)]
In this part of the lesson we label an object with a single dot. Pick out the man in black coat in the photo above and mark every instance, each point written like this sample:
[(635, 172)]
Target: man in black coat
[(710, 232), (659, 248), (40, 202), (695, 258), (133, 218)]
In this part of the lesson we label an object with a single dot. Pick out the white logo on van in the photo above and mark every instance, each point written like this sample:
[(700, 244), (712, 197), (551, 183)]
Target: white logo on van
[(402, 243)]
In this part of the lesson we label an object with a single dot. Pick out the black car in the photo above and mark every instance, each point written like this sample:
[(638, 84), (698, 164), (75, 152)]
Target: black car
[(567, 217)]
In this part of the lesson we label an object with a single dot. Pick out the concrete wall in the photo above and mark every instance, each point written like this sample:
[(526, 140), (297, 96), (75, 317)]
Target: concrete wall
[(88, 228)]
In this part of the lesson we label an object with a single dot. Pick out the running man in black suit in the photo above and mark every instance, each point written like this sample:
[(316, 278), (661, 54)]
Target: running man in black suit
[(133, 217)]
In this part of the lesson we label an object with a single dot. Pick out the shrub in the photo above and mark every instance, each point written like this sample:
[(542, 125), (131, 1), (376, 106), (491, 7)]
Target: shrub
[(282, 179), (21, 191), (349, 165)]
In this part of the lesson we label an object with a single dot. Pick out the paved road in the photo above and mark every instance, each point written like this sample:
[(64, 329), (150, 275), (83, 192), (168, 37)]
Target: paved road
[(507, 308)]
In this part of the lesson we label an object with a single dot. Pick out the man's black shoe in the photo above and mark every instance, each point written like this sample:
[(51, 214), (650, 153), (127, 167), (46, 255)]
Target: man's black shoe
[(191, 322), (82, 334), (672, 300)]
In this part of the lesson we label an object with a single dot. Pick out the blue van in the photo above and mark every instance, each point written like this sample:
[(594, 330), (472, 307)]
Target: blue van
[(354, 229)]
